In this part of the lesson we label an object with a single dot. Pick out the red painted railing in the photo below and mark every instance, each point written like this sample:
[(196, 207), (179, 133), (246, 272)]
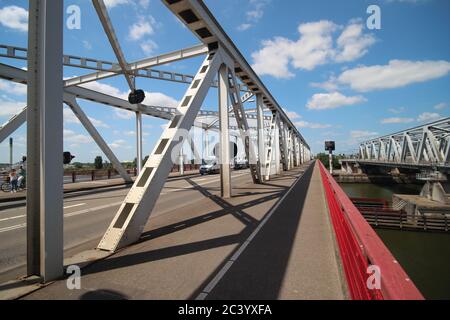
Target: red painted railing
[(360, 247)]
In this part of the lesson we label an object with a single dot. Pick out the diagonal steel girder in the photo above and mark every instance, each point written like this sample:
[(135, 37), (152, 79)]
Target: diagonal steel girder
[(133, 214)]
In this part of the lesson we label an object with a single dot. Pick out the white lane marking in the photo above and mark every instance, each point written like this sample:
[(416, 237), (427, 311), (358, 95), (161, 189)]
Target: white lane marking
[(75, 205), (72, 214), (23, 225), (23, 215), (11, 218), (211, 285)]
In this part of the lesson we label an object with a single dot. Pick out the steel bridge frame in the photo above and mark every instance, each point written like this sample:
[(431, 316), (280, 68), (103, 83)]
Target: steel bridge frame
[(224, 68), (428, 144)]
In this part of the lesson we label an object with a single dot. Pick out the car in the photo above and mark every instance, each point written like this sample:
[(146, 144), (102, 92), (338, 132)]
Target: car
[(210, 167)]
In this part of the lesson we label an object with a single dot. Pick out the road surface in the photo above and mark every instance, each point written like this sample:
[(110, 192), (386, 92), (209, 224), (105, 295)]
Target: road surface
[(87, 216)]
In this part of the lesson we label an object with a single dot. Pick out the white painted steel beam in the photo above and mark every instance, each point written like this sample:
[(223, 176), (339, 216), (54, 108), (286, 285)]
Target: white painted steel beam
[(13, 124), (133, 214), (45, 140)]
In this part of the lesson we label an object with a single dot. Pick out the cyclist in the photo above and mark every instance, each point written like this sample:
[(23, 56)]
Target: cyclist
[(13, 180), (21, 178)]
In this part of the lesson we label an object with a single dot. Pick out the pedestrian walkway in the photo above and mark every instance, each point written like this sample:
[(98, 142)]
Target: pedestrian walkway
[(271, 241)]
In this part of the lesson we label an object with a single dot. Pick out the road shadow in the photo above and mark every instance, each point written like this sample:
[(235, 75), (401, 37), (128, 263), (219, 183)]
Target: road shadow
[(116, 262), (259, 272)]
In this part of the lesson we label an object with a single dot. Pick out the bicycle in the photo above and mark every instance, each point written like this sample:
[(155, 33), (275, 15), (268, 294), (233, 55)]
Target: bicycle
[(6, 187)]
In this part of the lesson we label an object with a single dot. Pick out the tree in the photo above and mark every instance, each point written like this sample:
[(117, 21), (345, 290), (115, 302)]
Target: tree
[(324, 157), (78, 165), (98, 162)]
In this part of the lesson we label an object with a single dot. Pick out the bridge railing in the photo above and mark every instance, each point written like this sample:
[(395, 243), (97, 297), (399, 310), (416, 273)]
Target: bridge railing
[(361, 248)]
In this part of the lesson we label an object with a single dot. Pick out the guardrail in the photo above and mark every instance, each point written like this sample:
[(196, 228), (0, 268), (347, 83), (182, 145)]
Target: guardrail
[(360, 247), (102, 174), (393, 219)]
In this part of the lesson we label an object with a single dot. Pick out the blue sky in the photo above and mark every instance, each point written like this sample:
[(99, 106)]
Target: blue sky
[(337, 79)]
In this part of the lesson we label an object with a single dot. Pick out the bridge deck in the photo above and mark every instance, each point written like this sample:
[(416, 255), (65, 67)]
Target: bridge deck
[(247, 247)]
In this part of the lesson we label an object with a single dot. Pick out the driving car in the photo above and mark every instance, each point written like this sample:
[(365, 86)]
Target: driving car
[(210, 167)]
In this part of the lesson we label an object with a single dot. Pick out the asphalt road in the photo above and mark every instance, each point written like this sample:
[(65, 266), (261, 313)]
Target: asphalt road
[(87, 216)]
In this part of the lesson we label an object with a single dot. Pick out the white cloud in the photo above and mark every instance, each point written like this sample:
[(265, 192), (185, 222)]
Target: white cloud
[(396, 110), (114, 3), (105, 88), (428, 116), (398, 73), (14, 17), (73, 137), (353, 43), (311, 125), (159, 99), (441, 106), (292, 114), (120, 144), (140, 29), (314, 47), (148, 46), (257, 10), (9, 108), (156, 99), (124, 114), (130, 133), (360, 134), (87, 45), (329, 85), (9, 87), (244, 26), (322, 101), (397, 120)]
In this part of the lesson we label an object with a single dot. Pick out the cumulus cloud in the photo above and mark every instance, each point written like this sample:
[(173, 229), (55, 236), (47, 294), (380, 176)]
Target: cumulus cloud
[(9, 108), (292, 114), (76, 138), (428, 116), (141, 28), (396, 74), (333, 100), (396, 110), (441, 106), (120, 144), (397, 120), (156, 99), (14, 88), (14, 17), (244, 26), (314, 47), (311, 125), (114, 3), (362, 134)]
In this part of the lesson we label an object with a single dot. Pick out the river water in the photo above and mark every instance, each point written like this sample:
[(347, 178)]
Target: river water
[(425, 256)]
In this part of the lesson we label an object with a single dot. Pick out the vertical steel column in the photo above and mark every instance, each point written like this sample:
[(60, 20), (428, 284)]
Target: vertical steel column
[(261, 133), (139, 142), (206, 151), (224, 154), (11, 152), (277, 147), (45, 140), (181, 163)]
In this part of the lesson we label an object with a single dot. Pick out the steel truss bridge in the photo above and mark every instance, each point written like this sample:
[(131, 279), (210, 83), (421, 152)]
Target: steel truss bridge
[(224, 68), (426, 147)]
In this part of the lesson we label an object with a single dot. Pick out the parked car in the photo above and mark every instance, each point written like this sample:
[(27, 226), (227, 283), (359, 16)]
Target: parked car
[(210, 167)]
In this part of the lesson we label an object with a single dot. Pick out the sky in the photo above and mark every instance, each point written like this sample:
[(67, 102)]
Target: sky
[(335, 78)]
